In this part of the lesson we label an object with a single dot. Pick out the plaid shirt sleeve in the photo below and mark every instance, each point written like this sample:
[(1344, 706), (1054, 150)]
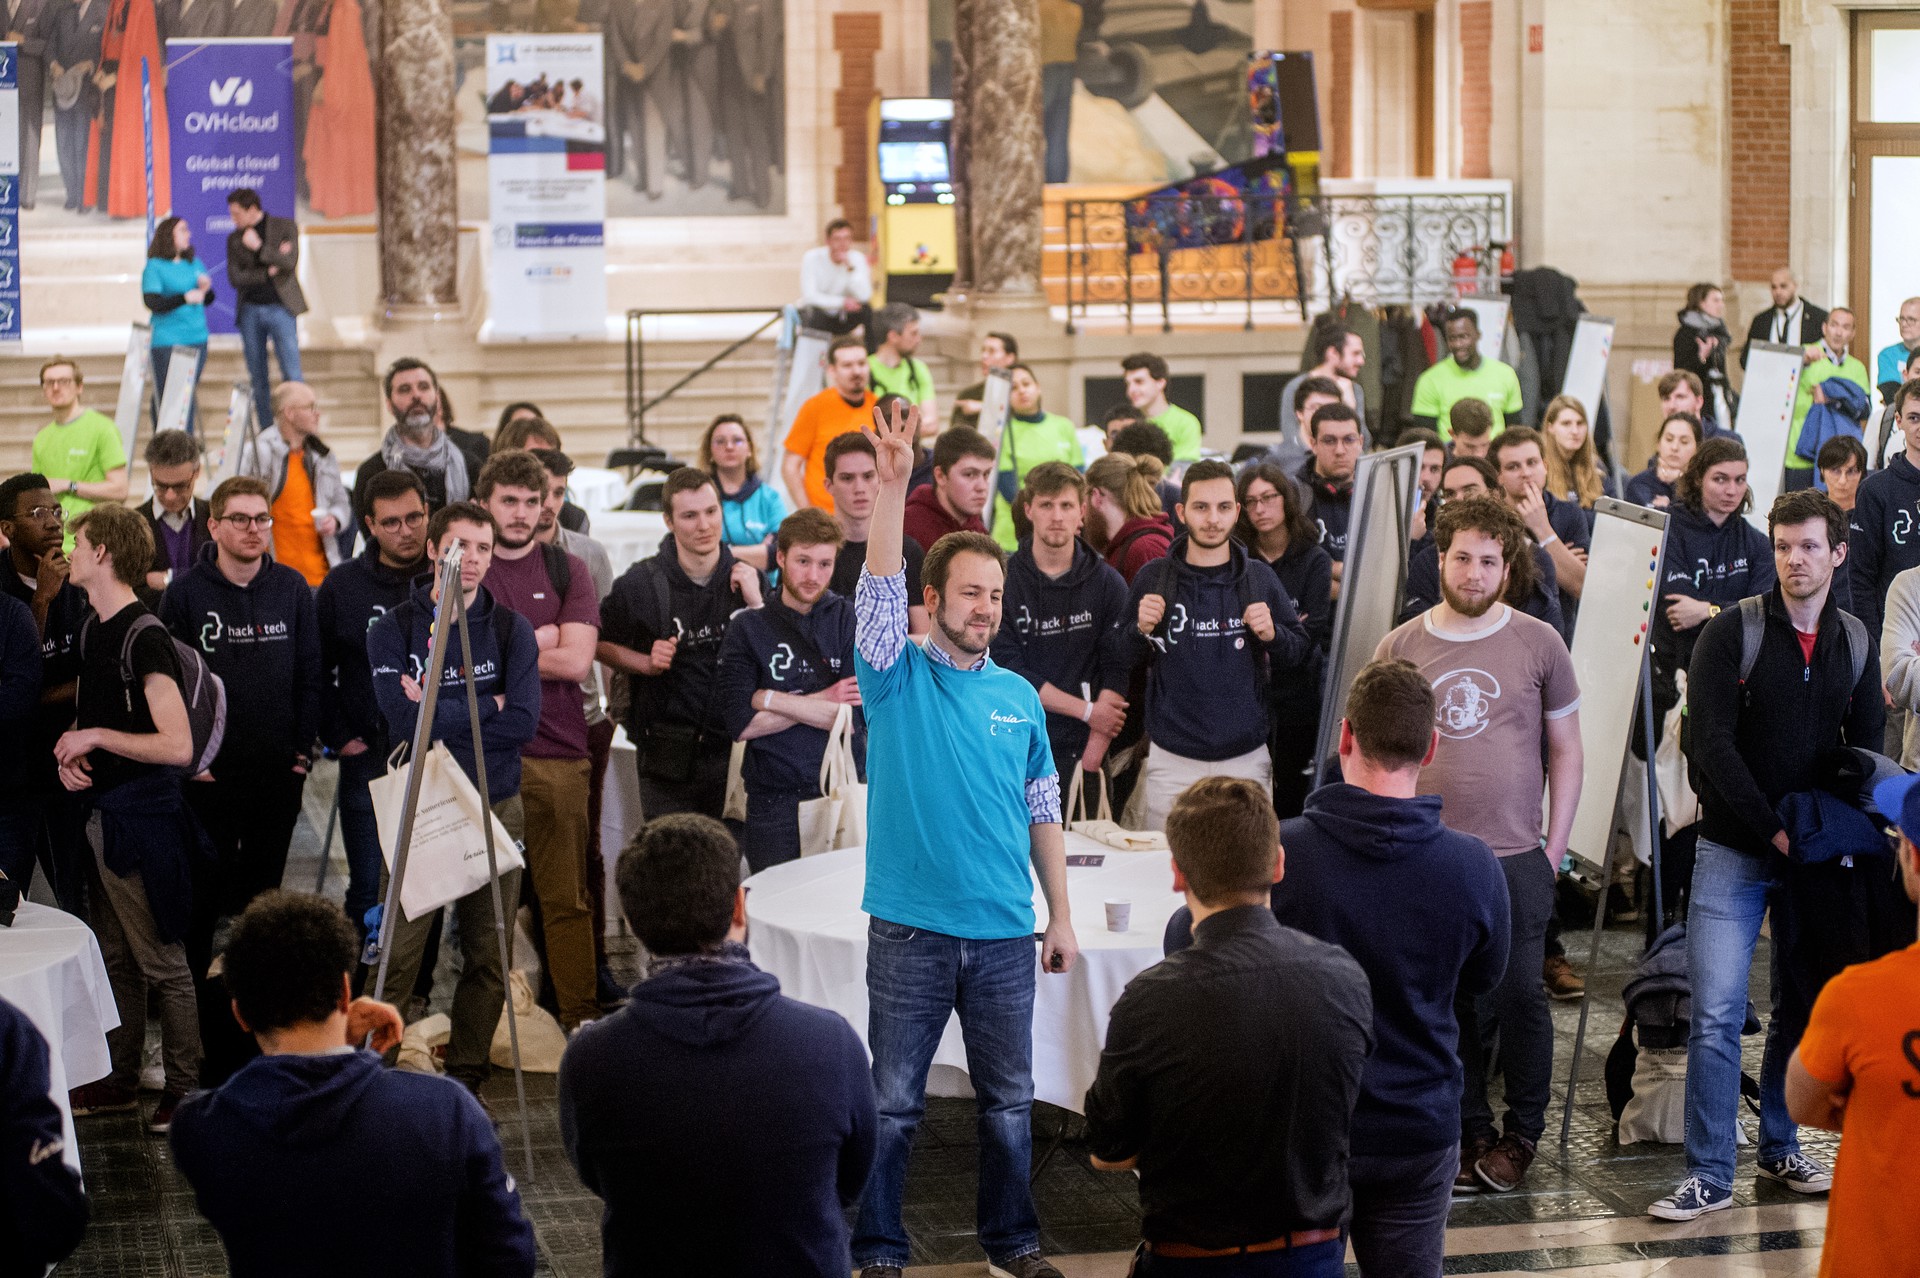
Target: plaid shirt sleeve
[(880, 619), (1043, 800)]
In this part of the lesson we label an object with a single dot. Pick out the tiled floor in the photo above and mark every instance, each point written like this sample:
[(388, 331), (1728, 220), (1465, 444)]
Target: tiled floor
[(1580, 1213)]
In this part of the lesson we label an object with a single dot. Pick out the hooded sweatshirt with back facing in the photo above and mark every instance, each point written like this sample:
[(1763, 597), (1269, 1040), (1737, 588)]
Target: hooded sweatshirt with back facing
[(333, 1164), (725, 1126)]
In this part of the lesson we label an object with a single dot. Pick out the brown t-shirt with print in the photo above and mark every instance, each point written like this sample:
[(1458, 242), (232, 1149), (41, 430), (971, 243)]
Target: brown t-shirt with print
[(1493, 693)]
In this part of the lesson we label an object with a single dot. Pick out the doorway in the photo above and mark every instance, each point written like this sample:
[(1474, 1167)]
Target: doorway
[(1885, 176)]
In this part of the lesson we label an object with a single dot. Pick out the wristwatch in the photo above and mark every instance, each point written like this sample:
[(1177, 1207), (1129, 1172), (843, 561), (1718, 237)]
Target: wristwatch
[(73, 486), (1713, 610)]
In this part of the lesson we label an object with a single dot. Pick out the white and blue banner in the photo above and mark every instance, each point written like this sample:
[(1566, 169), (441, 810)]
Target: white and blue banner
[(546, 185), (9, 197), (230, 117)]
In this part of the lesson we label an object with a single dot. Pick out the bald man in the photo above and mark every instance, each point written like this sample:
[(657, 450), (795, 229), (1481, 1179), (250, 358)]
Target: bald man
[(1791, 321)]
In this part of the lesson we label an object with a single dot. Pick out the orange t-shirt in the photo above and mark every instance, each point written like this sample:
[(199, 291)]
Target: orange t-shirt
[(1865, 1034), (296, 543), (818, 422)]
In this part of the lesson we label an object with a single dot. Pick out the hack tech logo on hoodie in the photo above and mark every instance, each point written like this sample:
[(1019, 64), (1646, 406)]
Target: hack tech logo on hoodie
[(215, 631)]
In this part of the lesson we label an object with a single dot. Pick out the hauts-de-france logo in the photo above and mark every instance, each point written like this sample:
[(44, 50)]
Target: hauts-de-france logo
[(232, 91), (1463, 703)]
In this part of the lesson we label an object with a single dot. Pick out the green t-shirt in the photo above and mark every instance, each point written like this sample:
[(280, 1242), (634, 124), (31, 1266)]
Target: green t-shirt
[(1052, 438), (1183, 429), (1811, 376), (1446, 384), (84, 449), (910, 380)]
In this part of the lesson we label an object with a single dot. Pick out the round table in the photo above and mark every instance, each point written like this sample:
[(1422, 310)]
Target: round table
[(806, 927), (50, 968), (628, 535)]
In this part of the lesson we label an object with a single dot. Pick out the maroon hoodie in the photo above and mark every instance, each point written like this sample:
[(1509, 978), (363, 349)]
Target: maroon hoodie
[(1139, 541), (927, 521)]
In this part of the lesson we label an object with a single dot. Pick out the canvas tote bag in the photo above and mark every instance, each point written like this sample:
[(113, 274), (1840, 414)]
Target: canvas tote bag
[(838, 818), (448, 858)]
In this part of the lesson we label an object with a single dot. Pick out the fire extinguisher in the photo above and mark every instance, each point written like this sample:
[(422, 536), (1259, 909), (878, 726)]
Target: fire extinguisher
[(1466, 273)]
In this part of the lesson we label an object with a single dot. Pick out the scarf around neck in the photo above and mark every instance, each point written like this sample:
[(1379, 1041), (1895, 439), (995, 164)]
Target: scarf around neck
[(729, 952), (440, 456)]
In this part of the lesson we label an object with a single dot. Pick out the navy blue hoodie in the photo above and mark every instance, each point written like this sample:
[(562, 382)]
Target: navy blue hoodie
[(43, 1210), (356, 594), (1719, 564), (725, 1126), (400, 643), (1067, 631), (59, 664), (263, 640), (329, 1165), (1205, 687), (1423, 586), (1332, 509), (19, 694), (755, 655), (1423, 909), (1886, 537)]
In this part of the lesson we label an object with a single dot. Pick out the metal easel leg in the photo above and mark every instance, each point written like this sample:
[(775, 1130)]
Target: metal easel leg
[(326, 843), (493, 884)]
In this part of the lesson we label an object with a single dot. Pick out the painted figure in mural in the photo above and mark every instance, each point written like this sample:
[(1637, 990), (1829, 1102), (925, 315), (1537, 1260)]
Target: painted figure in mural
[(28, 25), (117, 175), (639, 36), (305, 21), (73, 52), (748, 39), (194, 19), (337, 157), (252, 19), (691, 73)]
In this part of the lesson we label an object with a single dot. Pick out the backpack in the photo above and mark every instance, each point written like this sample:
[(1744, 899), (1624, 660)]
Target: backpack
[(202, 690)]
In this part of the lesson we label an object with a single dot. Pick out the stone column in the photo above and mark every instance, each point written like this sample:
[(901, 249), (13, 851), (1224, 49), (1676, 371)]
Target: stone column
[(1005, 151), (419, 204), (960, 142)]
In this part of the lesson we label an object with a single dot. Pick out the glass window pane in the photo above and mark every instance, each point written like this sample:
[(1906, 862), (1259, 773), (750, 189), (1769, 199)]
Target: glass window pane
[(1896, 86), (1894, 269)]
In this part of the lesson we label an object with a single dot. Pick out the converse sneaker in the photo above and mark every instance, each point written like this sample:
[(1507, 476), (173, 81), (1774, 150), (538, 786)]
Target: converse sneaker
[(1799, 1173), (1695, 1197)]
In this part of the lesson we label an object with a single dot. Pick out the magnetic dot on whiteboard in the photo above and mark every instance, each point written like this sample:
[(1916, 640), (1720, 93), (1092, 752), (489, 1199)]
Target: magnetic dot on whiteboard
[(1636, 638), (1649, 583)]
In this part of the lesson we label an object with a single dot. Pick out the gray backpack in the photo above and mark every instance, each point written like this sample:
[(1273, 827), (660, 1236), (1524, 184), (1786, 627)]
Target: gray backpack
[(205, 695)]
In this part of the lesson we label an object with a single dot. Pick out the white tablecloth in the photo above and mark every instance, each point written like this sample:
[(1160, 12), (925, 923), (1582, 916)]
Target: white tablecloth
[(50, 968), (806, 927), (596, 489), (628, 535), (620, 818)]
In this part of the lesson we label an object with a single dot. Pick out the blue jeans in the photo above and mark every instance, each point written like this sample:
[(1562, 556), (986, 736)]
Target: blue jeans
[(361, 833), (915, 980), (1321, 1260), (162, 357), (1400, 1202), (258, 323), (1729, 899)]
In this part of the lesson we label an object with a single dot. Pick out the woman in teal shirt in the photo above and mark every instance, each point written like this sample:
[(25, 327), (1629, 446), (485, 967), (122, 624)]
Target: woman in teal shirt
[(1033, 436), (176, 288), (750, 509)]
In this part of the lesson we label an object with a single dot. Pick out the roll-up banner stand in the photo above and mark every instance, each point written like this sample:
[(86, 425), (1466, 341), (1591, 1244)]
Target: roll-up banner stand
[(182, 369), (547, 190), (996, 404), (10, 327), (1386, 494), (136, 374), (230, 125)]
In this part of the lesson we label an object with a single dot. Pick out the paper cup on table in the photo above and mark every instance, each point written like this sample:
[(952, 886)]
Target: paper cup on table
[(1119, 915)]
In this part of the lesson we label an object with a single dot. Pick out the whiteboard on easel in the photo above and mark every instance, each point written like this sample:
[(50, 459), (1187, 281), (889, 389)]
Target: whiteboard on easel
[(136, 371), (182, 371), (1586, 378), (1492, 313), (239, 430), (1766, 418), (996, 403), (1608, 649)]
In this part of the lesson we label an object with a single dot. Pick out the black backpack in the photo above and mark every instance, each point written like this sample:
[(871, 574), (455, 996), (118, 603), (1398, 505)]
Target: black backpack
[(200, 688)]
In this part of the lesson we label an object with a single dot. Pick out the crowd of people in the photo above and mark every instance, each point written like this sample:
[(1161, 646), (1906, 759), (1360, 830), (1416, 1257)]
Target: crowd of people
[(1313, 1061)]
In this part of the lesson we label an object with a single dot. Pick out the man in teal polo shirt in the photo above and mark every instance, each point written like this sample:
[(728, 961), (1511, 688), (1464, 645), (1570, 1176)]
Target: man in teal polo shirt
[(1826, 358), (79, 451), (1465, 374), (1891, 365), (962, 798), (1146, 381)]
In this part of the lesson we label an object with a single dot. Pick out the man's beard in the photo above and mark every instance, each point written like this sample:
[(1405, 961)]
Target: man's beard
[(1194, 535), (1469, 607), (959, 638), (417, 422), (509, 543)]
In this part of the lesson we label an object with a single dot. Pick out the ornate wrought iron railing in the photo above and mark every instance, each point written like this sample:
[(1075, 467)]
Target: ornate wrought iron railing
[(1213, 257)]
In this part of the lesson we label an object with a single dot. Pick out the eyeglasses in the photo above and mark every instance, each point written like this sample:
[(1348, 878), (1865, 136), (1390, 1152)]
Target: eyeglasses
[(1261, 503), (58, 381), (186, 486), (394, 523), (240, 523), (46, 514)]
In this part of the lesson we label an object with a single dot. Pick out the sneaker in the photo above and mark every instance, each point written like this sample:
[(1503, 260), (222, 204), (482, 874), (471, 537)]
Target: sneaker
[(1471, 1152), (1031, 1265), (1505, 1165), (880, 1271), (1799, 1173), (162, 1120), (1695, 1197), (1562, 982), (100, 1098)]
